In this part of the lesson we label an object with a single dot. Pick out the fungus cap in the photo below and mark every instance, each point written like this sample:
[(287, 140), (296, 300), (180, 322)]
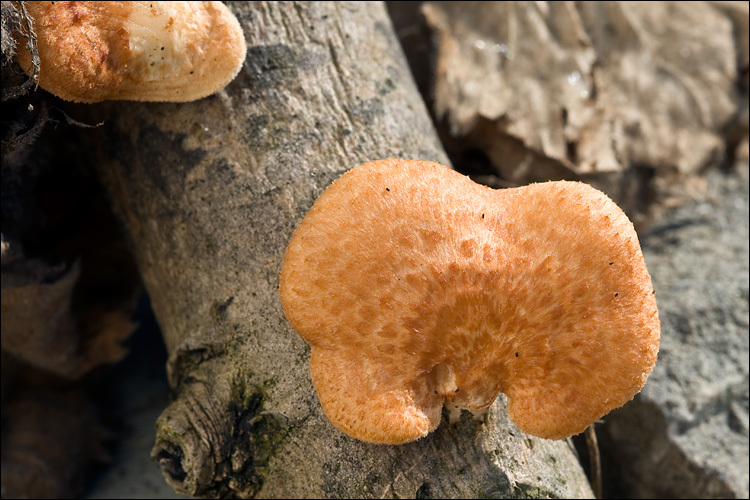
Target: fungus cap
[(139, 51), (415, 286)]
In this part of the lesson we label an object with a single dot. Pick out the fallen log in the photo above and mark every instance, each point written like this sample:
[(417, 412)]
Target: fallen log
[(209, 194)]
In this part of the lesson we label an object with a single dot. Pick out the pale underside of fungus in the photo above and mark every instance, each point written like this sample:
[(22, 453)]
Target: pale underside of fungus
[(139, 51), (415, 287)]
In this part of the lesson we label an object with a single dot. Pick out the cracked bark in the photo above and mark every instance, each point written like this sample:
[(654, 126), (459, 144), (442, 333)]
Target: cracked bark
[(209, 194)]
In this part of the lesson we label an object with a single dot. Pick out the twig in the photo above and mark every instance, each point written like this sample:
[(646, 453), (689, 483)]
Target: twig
[(595, 465)]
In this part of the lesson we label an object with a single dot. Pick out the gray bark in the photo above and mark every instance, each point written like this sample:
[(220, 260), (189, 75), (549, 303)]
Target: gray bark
[(696, 399), (209, 194)]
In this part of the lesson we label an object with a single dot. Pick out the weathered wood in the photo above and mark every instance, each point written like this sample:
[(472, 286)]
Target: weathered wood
[(210, 192)]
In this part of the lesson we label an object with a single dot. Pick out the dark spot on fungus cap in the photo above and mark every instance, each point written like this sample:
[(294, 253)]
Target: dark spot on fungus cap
[(405, 298)]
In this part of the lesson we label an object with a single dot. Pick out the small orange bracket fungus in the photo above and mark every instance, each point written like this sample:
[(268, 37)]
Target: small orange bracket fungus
[(417, 287), (138, 51)]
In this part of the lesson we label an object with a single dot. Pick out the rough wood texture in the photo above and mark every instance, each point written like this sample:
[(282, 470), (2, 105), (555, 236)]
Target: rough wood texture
[(210, 193), (627, 96)]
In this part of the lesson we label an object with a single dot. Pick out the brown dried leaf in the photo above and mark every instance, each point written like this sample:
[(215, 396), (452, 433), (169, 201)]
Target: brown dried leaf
[(50, 437), (40, 325), (37, 322), (595, 86)]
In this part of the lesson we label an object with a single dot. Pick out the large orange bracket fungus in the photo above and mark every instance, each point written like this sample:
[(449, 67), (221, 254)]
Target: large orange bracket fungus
[(416, 286), (137, 51)]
